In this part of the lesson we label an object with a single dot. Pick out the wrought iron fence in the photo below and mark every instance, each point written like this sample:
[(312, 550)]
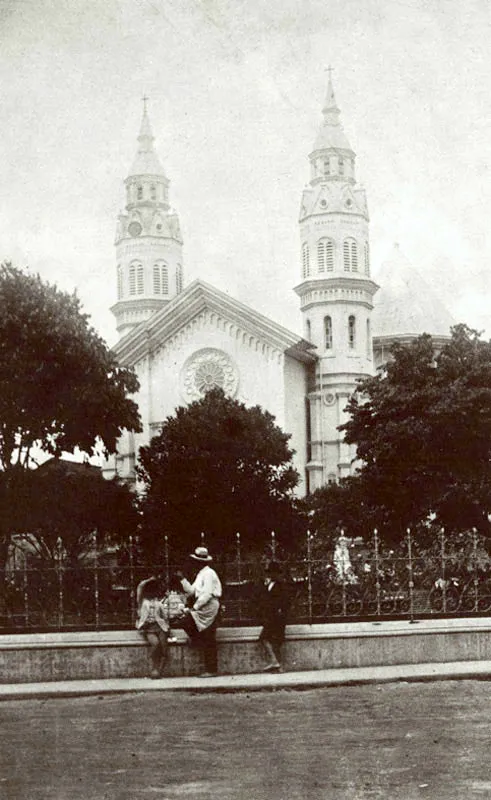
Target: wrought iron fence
[(358, 579)]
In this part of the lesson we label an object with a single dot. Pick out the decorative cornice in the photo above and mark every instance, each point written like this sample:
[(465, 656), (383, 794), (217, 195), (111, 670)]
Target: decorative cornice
[(184, 309)]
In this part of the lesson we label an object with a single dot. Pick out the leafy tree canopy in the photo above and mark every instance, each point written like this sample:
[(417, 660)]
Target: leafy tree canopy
[(60, 385), (63, 504), (422, 428), (216, 467)]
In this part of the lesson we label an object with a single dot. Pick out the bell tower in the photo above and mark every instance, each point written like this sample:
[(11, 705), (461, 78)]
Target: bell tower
[(148, 239), (336, 291)]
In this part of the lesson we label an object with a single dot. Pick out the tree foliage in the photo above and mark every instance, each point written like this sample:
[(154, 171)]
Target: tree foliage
[(68, 507), (60, 386), (216, 467), (422, 429)]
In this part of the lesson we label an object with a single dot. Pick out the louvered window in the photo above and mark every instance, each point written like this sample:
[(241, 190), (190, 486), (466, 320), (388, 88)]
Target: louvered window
[(305, 260), (139, 279), (132, 279), (367, 258), (350, 255), (178, 279), (325, 255)]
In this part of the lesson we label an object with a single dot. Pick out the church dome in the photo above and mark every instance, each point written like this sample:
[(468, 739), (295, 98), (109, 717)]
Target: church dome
[(406, 305)]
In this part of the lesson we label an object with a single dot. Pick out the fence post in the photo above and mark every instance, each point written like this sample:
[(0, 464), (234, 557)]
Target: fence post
[(476, 578), (132, 577), (343, 596), (166, 560), (410, 573), (96, 581), (59, 568), (377, 570), (239, 574), (443, 560), (309, 577), (25, 587)]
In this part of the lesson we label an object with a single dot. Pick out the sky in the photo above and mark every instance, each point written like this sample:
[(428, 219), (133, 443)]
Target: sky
[(236, 89)]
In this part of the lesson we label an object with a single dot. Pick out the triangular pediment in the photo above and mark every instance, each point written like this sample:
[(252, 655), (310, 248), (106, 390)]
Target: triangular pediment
[(201, 299)]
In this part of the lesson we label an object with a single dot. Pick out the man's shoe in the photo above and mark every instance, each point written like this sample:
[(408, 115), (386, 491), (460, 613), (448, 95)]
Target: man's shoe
[(208, 674), (272, 668), (155, 673)]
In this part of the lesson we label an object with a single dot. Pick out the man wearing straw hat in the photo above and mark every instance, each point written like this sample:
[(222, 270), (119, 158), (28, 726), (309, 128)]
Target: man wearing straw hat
[(200, 621)]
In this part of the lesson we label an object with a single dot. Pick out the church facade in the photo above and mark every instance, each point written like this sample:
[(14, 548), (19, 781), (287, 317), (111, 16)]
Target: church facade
[(184, 339)]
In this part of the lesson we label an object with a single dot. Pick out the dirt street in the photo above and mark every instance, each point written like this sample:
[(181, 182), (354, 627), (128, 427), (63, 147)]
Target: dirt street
[(407, 740)]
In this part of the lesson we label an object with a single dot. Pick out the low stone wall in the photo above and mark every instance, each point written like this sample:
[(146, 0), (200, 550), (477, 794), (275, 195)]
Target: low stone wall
[(31, 658)]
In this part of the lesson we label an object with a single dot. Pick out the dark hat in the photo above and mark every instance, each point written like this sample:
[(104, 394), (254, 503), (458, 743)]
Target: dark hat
[(201, 554)]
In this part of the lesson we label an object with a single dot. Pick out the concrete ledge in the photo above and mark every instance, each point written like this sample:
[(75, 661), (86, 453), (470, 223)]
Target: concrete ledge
[(34, 658), (469, 670)]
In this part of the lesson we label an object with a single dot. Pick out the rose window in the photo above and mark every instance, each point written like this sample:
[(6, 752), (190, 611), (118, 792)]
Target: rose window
[(207, 369), (208, 375)]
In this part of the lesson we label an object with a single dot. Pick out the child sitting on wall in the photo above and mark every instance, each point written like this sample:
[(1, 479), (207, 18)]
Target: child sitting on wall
[(153, 622)]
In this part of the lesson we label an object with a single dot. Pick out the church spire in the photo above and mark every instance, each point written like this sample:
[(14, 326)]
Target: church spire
[(330, 110), (146, 161), (331, 144)]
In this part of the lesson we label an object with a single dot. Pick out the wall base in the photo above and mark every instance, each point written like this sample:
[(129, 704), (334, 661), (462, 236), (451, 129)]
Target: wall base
[(33, 658)]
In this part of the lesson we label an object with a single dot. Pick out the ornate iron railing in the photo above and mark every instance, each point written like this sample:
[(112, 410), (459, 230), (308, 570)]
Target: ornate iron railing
[(349, 580)]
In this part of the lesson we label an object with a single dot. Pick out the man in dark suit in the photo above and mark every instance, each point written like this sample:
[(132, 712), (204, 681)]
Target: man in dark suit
[(273, 607)]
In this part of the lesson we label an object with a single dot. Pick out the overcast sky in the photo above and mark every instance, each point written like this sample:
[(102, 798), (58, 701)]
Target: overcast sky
[(236, 89)]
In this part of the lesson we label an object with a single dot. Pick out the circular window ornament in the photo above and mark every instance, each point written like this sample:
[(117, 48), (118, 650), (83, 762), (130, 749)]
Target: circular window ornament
[(324, 203), (349, 203), (134, 228), (329, 399), (208, 369)]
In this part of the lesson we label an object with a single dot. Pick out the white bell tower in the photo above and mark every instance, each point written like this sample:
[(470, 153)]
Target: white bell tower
[(336, 292), (148, 239)]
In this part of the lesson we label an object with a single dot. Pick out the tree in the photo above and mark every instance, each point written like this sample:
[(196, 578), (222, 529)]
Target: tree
[(422, 428), (216, 467), (87, 505), (60, 386)]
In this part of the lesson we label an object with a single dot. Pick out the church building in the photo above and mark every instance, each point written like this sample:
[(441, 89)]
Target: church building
[(183, 339)]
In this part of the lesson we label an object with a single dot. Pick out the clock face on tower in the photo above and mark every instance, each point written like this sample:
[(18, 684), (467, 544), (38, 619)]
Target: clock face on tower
[(134, 228)]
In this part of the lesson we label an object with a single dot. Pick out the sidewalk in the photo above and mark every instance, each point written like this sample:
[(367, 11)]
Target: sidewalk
[(255, 682)]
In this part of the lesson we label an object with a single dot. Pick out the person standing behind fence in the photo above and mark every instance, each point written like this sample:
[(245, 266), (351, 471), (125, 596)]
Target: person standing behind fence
[(273, 608), (200, 622), (153, 622)]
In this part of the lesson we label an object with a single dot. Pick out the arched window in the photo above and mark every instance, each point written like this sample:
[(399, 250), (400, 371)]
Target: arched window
[(308, 329), (327, 166), (178, 279), (325, 255), (350, 255), (328, 332), (139, 279), (341, 166), (160, 278), (351, 331), (120, 282), (153, 193), (132, 279), (331, 478), (139, 192), (305, 260), (367, 258), (369, 340)]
